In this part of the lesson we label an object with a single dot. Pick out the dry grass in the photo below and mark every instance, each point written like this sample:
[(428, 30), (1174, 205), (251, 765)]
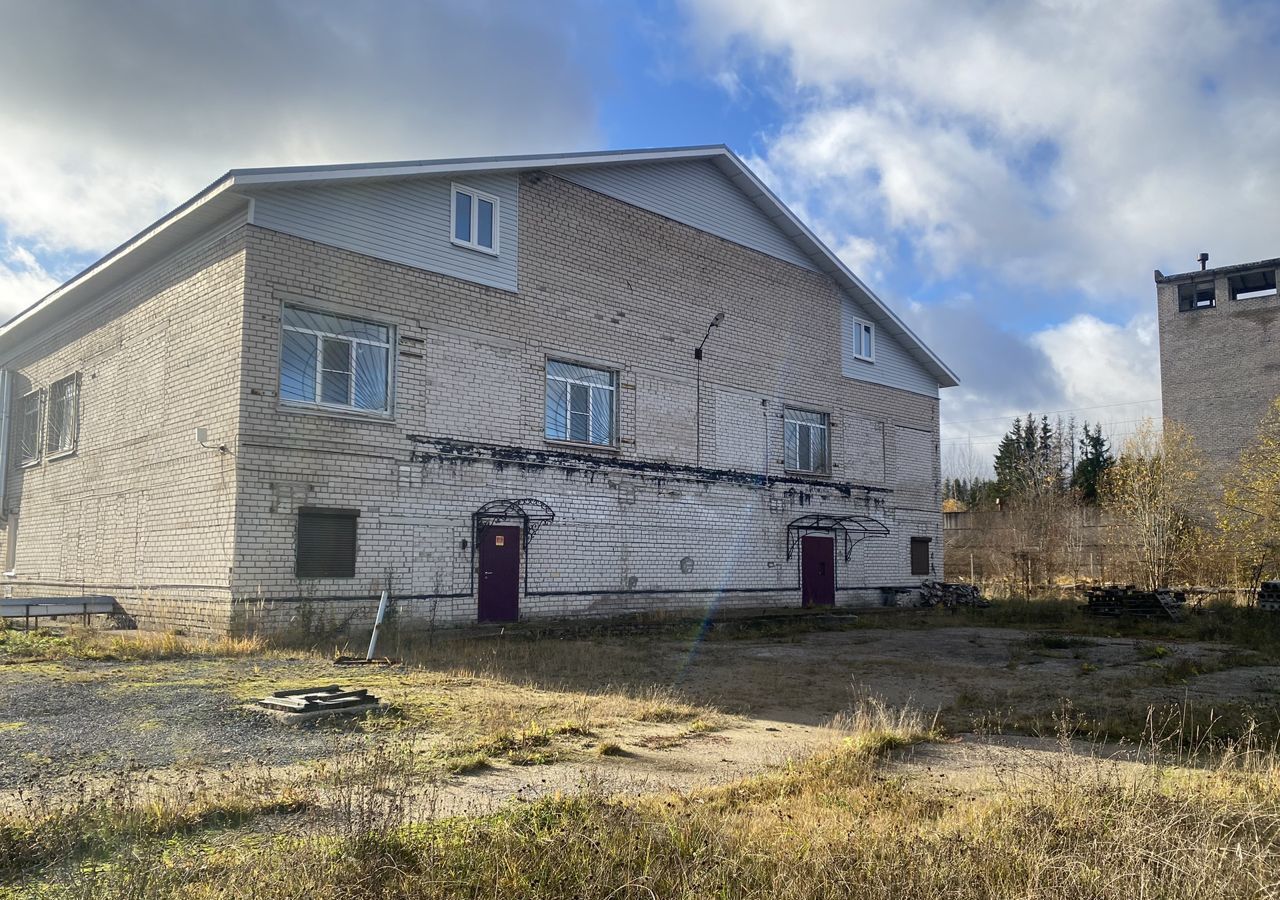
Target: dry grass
[(839, 824), (74, 643), (1246, 628)]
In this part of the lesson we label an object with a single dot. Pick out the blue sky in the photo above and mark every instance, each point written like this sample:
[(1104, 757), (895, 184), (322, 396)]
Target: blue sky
[(1006, 174)]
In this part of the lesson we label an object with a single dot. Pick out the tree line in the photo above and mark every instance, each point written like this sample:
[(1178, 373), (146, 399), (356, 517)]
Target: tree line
[(1037, 458), (1061, 506)]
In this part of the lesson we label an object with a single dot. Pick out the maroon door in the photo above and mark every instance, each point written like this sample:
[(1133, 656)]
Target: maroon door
[(499, 591), (817, 570)]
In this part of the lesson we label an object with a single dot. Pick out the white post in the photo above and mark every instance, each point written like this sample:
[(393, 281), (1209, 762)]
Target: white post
[(377, 623)]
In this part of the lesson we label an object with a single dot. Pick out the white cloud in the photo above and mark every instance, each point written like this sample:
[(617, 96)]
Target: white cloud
[(859, 254), (112, 115), (1079, 143), (22, 280), (1036, 159), (1097, 363), (1084, 368)]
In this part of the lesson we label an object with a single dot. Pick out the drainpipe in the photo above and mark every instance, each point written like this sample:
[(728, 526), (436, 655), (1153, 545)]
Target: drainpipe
[(4, 441)]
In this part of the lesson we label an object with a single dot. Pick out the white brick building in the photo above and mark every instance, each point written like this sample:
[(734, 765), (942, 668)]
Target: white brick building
[(472, 382)]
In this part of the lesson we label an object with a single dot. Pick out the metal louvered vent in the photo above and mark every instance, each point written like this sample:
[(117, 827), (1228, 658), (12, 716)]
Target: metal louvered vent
[(327, 543)]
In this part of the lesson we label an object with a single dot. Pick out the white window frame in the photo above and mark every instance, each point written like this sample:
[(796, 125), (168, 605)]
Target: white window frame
[(51, 451), (788, 422), (317, 393), (23, 460), (568, 383), (475, 196), (861, 327)]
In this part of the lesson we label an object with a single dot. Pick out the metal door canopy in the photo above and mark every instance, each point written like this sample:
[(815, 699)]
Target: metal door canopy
[(853, 528), (530, 513)]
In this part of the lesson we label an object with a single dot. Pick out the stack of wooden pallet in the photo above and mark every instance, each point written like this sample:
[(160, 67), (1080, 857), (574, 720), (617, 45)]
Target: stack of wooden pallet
[(1129, 601), (312, 702)]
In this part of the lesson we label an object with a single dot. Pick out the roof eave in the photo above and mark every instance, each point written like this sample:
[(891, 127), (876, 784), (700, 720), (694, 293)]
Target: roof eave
[(113, 258)]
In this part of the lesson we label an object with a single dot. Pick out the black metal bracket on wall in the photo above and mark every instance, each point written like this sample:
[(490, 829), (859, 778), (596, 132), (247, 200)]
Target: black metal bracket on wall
[(863, 526)]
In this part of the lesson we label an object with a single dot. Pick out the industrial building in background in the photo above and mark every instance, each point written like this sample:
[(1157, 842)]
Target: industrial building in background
[(499, 388), (1219, 354)]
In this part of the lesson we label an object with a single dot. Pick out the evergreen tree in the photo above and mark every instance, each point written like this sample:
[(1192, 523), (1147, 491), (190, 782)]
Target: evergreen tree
[(1095, 460)]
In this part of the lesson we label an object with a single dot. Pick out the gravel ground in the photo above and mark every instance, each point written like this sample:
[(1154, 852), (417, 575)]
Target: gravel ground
[(89, 717)]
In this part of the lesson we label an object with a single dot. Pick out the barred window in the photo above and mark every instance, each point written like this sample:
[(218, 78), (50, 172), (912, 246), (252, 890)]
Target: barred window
[(335, 361), (64, 415), (30, 414), (581, 405), (805, 441)]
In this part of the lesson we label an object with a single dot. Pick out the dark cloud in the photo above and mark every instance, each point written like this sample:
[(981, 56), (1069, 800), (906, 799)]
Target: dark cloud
[(155, 98)]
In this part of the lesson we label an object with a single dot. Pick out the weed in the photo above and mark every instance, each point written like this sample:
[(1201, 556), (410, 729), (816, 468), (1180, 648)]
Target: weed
[(1150, 651)]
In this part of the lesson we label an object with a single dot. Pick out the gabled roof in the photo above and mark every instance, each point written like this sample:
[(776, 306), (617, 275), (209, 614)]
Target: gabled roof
[(221, 200)]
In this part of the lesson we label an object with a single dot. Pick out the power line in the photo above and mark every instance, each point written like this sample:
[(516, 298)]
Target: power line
[(1056, 412), (978, 437)]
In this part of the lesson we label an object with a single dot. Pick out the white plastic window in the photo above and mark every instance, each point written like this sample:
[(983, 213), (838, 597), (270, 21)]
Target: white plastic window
[(334, 361), (805, 441), (580, 404), (64, 415), (30, 412), (864, 346), (475, 219)]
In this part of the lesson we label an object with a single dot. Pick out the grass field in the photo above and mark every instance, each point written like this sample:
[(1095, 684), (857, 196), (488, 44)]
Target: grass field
[(955, 755)]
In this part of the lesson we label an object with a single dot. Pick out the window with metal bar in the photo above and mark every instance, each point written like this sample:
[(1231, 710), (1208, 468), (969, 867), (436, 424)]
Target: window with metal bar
[(335, 361), (805, 446), (64, 415), (30, 415), (581, 404)]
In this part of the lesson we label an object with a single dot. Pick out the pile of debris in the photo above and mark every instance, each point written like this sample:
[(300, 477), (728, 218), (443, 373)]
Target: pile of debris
[(1269, 596), (949, 594), (307, 704), (1129, 601)]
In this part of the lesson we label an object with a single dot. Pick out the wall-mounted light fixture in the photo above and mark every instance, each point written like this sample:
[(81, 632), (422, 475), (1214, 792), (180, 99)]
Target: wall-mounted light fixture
[(697, 354), (715, 323)]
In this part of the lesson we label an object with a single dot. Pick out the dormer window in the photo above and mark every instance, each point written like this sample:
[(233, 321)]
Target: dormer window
[(475, 220), (1195, 295), (1253, 285)]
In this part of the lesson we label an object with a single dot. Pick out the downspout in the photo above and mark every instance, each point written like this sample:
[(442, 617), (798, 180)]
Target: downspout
[(4, 442)]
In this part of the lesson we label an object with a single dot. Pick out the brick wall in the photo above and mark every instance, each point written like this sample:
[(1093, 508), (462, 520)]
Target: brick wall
[(658, 523), (1219, 369), (139, 510)]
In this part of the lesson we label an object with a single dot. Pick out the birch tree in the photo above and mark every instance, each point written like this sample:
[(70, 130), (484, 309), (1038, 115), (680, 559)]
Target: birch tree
[(1250, 516), (1154, 495)]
